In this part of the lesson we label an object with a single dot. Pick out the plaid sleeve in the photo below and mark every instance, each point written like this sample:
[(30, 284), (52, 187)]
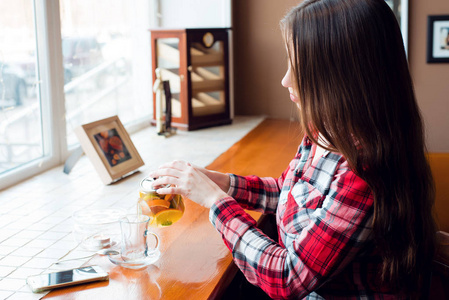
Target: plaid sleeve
[(318, 241), (255, 193)]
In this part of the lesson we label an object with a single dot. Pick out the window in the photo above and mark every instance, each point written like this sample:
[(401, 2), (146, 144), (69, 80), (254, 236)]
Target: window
[(69, 62), (65, 64), (106, 61)]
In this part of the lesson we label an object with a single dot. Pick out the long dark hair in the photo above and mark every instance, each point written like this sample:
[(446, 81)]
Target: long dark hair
[(354, 87)]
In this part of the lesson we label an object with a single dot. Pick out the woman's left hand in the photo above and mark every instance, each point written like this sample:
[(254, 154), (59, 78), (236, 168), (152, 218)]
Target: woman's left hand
[(189, 181)]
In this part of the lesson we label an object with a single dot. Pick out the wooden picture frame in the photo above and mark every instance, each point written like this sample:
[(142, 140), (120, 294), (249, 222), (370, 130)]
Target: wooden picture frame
[(438, 39), (109, 148)]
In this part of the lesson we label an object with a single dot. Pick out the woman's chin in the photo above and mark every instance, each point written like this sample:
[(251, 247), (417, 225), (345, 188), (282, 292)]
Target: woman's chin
[(294, 98)]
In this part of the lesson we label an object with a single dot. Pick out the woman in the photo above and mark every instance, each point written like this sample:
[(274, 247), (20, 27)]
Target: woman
[(353, 208)]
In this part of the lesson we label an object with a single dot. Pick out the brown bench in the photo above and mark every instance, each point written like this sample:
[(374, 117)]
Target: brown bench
[(439, 162)]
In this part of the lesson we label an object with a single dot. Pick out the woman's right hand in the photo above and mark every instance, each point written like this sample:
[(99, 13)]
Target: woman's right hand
[(198, 184)]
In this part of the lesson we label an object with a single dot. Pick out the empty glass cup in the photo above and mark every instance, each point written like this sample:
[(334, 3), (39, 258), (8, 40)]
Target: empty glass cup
[(139, 246)]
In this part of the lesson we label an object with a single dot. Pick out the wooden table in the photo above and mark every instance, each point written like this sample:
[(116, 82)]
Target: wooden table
[(195, 263)]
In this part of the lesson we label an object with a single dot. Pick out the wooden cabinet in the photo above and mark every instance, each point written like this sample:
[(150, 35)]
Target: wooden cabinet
[(196, 63)]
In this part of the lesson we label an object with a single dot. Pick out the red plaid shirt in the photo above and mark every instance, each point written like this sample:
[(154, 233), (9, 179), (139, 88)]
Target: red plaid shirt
[(323, 213)]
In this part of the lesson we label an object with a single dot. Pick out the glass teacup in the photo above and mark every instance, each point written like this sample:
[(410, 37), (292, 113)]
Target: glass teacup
[(137, 250)]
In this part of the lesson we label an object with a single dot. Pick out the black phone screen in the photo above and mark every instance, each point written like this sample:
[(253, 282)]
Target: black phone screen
[(70, 276)]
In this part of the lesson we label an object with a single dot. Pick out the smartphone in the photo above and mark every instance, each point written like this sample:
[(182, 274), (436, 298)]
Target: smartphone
[(43, 282)]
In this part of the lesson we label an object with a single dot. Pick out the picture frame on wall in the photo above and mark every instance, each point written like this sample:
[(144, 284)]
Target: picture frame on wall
[(109, 148), (438, 39)]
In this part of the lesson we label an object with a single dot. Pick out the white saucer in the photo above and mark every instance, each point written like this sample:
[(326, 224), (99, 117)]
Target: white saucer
[(151, 259)]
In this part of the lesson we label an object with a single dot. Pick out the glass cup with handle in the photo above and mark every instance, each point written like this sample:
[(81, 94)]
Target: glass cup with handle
[(137, 248)]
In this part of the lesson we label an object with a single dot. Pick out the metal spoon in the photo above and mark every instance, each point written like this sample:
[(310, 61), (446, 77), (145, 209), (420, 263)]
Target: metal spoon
[(100, 252)]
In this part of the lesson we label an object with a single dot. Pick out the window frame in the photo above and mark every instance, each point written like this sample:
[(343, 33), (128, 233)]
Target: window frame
[(46, 20)]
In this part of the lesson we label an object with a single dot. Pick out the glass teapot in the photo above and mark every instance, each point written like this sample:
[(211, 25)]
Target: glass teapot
[(163, 210)]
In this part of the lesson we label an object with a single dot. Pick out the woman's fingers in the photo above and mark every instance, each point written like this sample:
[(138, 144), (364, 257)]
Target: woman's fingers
[(187, 180), (170, 190), (178, 173), (170, 169), (163, 172)]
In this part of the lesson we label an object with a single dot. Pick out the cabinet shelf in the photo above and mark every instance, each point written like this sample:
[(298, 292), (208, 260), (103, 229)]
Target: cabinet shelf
[(204, 104), (208, 75), (207, 85), (195, 62), (202, 56), (169, 52)]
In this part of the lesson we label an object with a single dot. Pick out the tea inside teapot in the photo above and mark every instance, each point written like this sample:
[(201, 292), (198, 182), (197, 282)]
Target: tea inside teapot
[(163, 210)]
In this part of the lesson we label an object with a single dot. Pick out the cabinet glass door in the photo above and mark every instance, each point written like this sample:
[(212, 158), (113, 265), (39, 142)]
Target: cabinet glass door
[(207, 73), (168, 62)]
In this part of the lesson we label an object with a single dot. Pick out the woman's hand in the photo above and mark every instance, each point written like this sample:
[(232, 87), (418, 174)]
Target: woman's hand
[(198, 184)]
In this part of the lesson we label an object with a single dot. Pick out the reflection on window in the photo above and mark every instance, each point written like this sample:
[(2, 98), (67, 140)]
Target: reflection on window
[(395, 5), (20, 114), (106, 57)]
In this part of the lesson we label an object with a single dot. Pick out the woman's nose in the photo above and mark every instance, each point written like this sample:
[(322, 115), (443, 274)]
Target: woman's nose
[(286, 81)]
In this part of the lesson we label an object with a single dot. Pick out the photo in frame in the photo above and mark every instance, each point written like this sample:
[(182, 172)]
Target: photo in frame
[(109, 148), (438, 39)]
